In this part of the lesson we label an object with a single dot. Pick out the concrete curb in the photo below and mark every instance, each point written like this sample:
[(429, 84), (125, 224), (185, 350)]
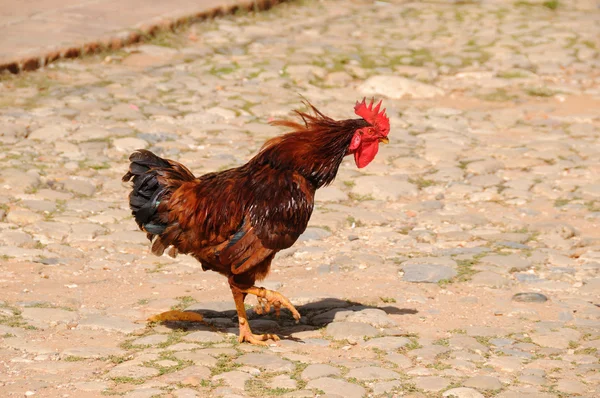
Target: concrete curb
[(139, 33)]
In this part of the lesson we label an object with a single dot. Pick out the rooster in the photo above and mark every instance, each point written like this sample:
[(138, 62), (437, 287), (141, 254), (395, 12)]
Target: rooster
[(235, 221)]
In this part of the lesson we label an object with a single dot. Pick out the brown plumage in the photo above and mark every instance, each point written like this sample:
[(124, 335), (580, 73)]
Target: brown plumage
[(235, 221)]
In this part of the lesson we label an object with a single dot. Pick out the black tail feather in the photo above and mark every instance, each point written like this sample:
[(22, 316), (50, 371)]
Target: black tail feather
[(146, 169)]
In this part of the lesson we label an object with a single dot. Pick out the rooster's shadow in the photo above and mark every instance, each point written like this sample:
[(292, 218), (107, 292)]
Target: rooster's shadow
[(221, 316)]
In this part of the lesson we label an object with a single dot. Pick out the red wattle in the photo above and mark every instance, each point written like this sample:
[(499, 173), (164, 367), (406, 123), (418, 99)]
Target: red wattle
[(365, 154)]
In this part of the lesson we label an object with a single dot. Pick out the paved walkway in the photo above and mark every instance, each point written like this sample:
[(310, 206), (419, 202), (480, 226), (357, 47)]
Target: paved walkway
[(463, 261), (36, 32)]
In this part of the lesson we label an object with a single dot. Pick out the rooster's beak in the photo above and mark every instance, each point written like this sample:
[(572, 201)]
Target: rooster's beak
[(384, 140)]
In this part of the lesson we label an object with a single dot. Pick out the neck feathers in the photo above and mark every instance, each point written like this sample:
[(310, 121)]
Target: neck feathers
[(315, 149)]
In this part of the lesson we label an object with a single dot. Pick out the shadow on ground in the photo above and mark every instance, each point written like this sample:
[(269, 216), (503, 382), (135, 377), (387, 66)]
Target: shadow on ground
[(221, 316)]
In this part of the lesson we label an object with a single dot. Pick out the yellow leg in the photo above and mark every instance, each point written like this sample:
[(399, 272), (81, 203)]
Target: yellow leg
[(245, 332)]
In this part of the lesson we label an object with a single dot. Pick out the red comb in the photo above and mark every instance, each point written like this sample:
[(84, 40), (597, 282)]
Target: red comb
[(377, 119)]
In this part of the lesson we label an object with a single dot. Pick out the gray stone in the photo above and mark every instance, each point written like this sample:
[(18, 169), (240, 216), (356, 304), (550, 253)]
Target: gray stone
[(530, 298), (268, 362), (337, 387), (484, 383), (350, 330), (398, 87), (372, 373), (316, 371), (427, 273)]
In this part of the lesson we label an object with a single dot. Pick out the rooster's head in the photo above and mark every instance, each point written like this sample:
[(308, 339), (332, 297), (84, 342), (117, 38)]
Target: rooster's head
[(365, 141)]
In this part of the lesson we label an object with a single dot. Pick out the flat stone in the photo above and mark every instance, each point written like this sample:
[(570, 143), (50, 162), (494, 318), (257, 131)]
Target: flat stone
[(384, 188), (81, 187), (510, 262), (397, 87), (235, 379), (192, 375), (132, 371), (372, 316), (282, 382), (372, 373), (51, 316), (152, 339), (103, 322), (467, 342), (198, 358), (48, 134), (401, 361), (91, 385), (143, 392), (316, 371), (431, 383), (185, 393), (204, 336), (337, 387), (490, 279), (17, 180), (313, 233), (92, 352), (462, 392), (384, 387), (387, 343), (427, 273), (530, 297), (559, 339), (23, 217), (350, 330), (129, 144), (571, 386), (268, 362), (484, 383)]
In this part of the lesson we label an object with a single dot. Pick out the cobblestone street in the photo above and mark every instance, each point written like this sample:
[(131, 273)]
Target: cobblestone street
[(464, 261)]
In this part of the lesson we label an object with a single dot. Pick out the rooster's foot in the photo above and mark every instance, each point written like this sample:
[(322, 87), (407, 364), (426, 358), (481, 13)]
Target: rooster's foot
[(256, 339), (267, 298)]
